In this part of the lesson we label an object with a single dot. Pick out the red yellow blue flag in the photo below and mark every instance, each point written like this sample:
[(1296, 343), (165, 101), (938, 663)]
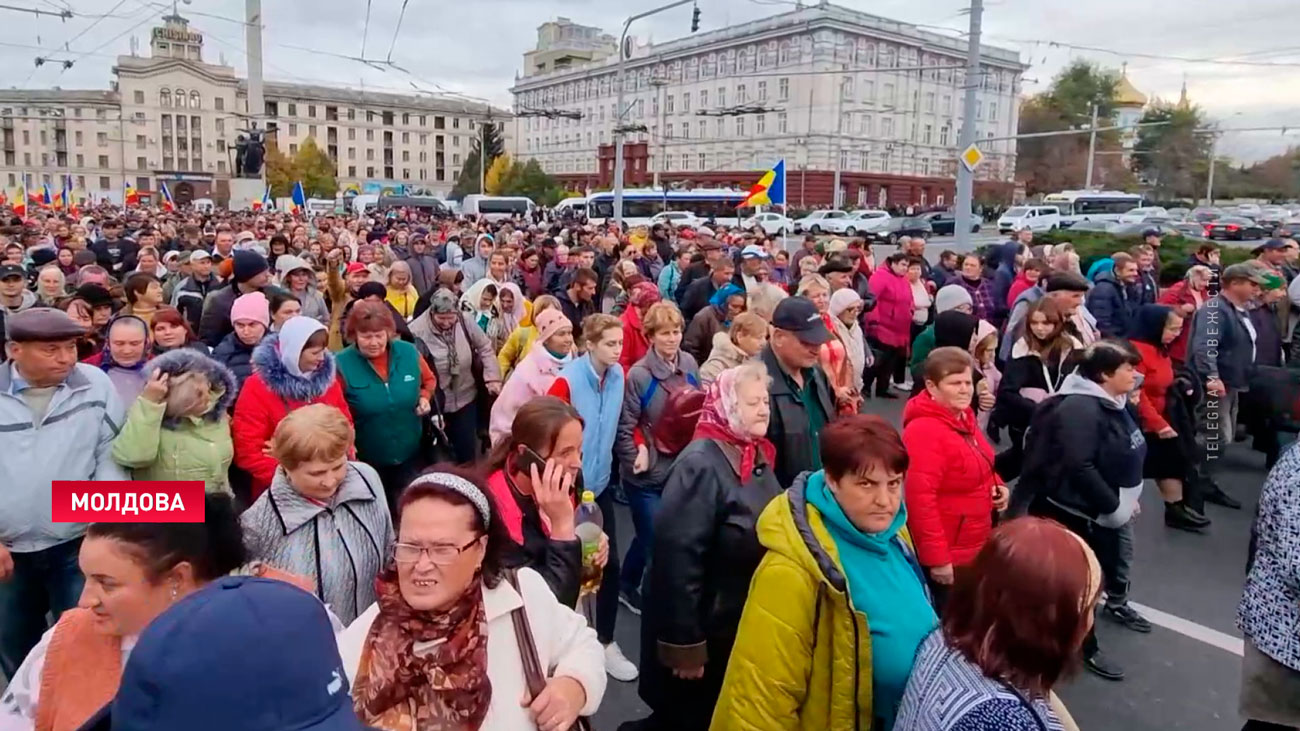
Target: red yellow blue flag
[(769, 190)]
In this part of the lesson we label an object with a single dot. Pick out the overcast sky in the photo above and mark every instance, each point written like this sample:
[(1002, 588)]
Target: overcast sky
[(475, 47)]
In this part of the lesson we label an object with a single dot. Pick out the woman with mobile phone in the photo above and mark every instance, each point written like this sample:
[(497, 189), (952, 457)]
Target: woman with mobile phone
[(532, 473)]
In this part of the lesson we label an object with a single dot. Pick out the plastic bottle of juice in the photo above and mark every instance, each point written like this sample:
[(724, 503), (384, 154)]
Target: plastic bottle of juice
[(590, 525)]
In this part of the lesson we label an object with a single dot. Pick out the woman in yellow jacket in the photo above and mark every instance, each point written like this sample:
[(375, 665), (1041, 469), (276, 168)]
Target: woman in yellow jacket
[(521, 340), (838, 605)]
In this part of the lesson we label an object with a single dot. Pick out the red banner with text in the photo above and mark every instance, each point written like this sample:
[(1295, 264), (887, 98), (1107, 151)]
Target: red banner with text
[(133, 501)]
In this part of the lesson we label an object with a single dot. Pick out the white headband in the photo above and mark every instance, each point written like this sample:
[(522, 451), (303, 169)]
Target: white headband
[(462, 486)]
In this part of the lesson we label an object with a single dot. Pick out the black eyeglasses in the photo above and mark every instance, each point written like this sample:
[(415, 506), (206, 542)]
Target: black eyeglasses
[(441, 555)]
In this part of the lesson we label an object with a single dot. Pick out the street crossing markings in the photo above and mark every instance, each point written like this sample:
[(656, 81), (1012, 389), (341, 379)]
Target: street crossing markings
[(1188, 628)]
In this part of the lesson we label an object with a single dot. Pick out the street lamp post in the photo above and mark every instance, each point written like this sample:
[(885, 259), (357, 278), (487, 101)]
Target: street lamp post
[(966, 176), (660, 83), (622, 109)]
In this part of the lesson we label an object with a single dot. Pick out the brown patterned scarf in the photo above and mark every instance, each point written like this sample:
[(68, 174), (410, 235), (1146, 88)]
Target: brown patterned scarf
[(422, 671)]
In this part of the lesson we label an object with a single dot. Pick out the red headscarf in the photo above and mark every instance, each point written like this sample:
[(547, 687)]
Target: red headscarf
[(719, 419)]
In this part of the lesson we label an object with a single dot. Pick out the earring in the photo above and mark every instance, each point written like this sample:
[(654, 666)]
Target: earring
[(175, 591)]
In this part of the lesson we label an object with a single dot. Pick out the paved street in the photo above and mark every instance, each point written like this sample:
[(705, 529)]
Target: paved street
[(1180, 676), (936, 244)]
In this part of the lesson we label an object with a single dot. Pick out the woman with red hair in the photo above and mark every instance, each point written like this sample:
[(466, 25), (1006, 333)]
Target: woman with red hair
[(991, 664)]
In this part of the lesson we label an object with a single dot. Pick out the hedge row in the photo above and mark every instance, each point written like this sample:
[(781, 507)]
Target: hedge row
[(1174, 250)]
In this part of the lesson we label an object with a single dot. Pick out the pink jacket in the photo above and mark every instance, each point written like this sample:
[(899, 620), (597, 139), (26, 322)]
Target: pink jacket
[(531, 378), (890, 321)]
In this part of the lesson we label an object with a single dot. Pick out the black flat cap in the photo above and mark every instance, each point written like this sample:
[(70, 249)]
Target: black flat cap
[(41, 324)]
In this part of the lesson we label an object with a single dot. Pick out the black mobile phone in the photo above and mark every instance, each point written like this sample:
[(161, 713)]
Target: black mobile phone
[(528, 459)]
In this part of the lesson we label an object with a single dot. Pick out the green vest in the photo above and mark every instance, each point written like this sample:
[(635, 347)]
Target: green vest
[(388, 429)]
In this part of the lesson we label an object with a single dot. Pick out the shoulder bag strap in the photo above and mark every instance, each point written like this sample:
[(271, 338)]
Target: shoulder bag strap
[(534, 675)]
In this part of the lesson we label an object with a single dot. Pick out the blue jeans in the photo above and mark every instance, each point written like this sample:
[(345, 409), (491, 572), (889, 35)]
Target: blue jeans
[(43, 582), (643, 503)]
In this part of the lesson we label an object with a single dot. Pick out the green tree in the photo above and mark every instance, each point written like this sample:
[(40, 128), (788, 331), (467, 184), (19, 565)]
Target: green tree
[(488, 137), (316, 171), (1172, 158), (280, 171), (1049, 164)]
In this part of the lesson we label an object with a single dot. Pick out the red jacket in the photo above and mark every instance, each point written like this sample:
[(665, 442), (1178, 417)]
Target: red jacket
[(949, 483), (267, 397), (1018, 286), (890, 321), (635, 343), (1176, 296), (1158, 372)]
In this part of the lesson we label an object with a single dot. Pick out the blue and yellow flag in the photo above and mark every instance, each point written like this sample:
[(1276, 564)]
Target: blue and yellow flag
[(769, 190), (298, 201)]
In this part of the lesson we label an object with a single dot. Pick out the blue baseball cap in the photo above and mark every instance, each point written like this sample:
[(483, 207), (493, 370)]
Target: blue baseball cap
[(242, 653)]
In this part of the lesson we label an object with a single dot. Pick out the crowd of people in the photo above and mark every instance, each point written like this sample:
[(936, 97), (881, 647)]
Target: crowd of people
[(395, 417)]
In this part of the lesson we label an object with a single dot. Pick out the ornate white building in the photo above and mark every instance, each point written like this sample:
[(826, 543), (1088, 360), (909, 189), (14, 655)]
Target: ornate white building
[(826, 87)]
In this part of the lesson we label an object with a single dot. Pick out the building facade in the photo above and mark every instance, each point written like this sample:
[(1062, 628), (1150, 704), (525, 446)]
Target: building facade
[(822, 87), (173, 117)]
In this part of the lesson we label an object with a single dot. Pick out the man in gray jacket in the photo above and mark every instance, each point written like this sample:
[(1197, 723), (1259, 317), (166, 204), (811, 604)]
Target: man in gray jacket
[(58, 419), (476, 267)]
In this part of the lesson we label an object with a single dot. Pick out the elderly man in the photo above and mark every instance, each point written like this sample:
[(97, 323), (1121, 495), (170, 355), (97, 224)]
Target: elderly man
[(801, 402), (755, 263), (58, 419)]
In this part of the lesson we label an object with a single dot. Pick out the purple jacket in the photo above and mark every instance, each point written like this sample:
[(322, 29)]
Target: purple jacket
[(981, 295)]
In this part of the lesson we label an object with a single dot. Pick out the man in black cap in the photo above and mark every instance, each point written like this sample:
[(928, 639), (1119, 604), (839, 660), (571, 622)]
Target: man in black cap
[(58, 419), (838, 272), (192, 291), (251, 273), (698, 294), (713, 251), (800, 395), (14, 295)]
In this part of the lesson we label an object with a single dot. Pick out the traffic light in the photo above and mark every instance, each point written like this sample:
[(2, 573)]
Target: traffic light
[(695, 19)]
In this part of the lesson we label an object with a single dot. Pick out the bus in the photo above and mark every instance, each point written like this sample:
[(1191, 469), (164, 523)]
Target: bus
[(1092, 205), (716, 205), (496, 208)]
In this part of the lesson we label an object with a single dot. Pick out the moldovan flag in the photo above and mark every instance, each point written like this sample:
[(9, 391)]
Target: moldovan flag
[(132, 196), (266, 200), (20, 202), (298, 201), (67, 196), (167, 203), (769, 190)]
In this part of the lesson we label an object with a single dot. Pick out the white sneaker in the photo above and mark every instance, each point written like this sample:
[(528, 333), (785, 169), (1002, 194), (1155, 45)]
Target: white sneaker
[(617, 664)]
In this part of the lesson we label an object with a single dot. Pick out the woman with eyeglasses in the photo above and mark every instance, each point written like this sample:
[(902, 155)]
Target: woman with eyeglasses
[(448, 642), (323, 517)]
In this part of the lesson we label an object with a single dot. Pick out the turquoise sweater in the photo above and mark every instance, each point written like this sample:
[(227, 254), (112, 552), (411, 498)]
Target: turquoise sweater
[(885, 585)]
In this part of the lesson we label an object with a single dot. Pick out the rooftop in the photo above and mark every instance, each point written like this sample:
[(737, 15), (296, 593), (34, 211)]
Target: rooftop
[(1127, 95)]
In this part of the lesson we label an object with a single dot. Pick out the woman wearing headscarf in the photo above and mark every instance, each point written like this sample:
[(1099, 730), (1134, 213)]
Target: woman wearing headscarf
[(706, 550), (464, 363), (179, 428), (512, 309), (833, 354), (536, 372), (1186, 297), (324, 517), (625, 276), (297, 276), (724, 305), (291, 369), (635, 341), (743, 341), (1169, 448), (528, 274), (524, 335), (439, 648), (952, 488), (401, 294), (837, 606), (480, 303), (846, 308), (126, 350)]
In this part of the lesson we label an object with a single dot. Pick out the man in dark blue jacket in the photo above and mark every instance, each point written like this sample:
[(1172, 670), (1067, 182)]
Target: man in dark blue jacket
[(1113, 297)]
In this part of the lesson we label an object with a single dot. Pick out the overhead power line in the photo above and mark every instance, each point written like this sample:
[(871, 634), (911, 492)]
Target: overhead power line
[(396, 29)]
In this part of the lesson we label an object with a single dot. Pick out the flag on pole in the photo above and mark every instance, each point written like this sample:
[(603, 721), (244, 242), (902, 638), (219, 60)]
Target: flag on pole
[(47, 198), (265, 202), (20, 201), (167, 203), (67, 196), (298, 201), (769, 190), (131, 197)]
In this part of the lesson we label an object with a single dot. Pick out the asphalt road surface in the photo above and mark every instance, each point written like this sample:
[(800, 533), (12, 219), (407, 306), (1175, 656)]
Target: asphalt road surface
[(1184, 675), (936, 244)]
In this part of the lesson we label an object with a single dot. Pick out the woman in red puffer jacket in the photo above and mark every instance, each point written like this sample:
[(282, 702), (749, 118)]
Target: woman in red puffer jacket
[(951, 489), (889, 323)]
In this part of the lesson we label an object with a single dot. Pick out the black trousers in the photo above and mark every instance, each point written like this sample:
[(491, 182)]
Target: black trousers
[(396, 477), (888, 360), (1104, 542), (607, 595), (462, 429)]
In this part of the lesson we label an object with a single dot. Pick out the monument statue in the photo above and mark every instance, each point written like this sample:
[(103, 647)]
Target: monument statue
[(250, 151)]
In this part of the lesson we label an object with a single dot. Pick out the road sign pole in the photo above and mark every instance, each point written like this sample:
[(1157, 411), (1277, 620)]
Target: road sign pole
[(966, 175)]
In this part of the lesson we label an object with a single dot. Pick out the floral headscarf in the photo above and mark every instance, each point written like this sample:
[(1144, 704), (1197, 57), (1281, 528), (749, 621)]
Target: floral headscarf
[(720, 420), (643, 295)]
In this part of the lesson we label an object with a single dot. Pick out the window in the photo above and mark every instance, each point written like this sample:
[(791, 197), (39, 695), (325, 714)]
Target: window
[(722, 96), (293, 110), (352, 114), (760, 124), (782, 89), (668, 104), (668, 131), (846, 122), (370, 172), (406, 118), (219, 103), (406, 155), (887, 127), (352, 153), (864, 125), (888, 90), (352, 171), (929, 101), (406, 138), (862, 165), (221, 146), (740, 93), (704, 98), (979, 110), (654, 106), (686, 103), (439, 122), (139, 142), (719, 128), (370, 155), (740, 126), (686, 161), (455, 159), (104, 183), (943, 135), (311, 131), (138, 96), (455, 123), (81, 163), (846, 88), (993, 111), (293, 129), (164, 98), (101, 138), (370, 135), (782, 126), (76, 136), (702, 129), (406, 173), (947, 104), (293, 149), (196, 102), (704, 164), (762, 91), (927, 134), (103, 162), (220, 126)]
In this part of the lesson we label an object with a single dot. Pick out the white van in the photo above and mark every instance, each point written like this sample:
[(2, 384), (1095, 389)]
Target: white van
[(1034, 218), (575, 206), (496, 207)]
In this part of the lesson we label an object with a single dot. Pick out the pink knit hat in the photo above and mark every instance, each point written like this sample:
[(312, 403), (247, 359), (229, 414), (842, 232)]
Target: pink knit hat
[(252, 306), (548, 323)]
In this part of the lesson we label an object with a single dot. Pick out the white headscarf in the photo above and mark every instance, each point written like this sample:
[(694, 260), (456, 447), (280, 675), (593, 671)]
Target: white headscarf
[(294, 335)]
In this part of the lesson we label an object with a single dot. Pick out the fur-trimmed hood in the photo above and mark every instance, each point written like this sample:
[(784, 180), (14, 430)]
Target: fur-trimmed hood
[(267, 364), (188, 360)]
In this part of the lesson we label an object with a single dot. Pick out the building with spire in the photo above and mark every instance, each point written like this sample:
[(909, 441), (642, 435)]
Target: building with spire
[(1129, 107)]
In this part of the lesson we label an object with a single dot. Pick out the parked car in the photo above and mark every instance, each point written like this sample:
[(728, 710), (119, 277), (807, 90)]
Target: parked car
[(895, 228), (1247, 210), (773, 224), (1179, 214), (1138, 229), (1272, 216), (944, 223), (1236, 228), (1205, 214), (1190, 229), (1034, 218), (818, 222), (1288, 229), (1139, 215), (863, 221), (677, 218), (1092, 224)]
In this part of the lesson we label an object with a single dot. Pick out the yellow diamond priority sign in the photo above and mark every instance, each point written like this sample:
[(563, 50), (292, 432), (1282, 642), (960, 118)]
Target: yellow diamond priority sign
[(971, 157)]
